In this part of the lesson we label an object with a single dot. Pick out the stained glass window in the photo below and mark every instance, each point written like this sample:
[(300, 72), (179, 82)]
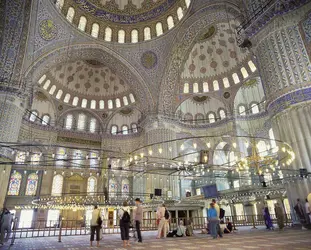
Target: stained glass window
[(93, 104), (114, 130), (95, 30), (222, 114), (59, 4), (77, 158), (32, 184), (121, 36), (180, 13), (252, 66), (41, 80), (52, 90), (45, 120), (125, 186), (118, 103), (108, 34), (60, 156), (205, 86), (195, 87), (75, 101), (110, 104), (132, 98), (186, 88), (170, 22), (84, 103), (92, 125), (93, 159), (59, 94), (91, 185), (20, 157), (81, 122), (159, 29), (67, 98), (125, 101), (33, 116), (242, 110), (215, 85), (47, 84), (70, 14), (244, 72), (57, 185), (236, 78), (134, 128), (125, 130), (69, 121), (101, 104), (255, 108), (113, 187), (226, 82), (15, 183), (211, 118)]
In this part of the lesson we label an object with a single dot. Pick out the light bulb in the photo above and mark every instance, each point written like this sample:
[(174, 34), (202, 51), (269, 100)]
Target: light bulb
[(234, 145), (160, 150), (208, 144)]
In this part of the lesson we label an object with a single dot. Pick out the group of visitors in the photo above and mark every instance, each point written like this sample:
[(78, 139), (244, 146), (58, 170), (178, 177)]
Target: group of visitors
[(303, 211), (6, 219), (125, 223)]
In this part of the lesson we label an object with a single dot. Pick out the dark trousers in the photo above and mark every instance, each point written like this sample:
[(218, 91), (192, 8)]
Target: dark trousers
[(137, 225), (219, 232), (125, 230), (93, 229)]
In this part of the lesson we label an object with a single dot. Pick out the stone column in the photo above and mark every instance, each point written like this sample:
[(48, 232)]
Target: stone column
[(11, 113), (285, 69)]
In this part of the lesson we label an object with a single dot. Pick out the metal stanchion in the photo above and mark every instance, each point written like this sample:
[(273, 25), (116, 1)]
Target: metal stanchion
[(60, 229), (14, 230)]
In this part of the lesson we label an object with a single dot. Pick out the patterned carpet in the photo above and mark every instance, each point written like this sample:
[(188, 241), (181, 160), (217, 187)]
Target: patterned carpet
[(294, 239)]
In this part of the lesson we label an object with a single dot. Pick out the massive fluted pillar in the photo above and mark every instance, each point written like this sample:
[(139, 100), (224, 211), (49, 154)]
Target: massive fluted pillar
[(284, 64), (11, 113)]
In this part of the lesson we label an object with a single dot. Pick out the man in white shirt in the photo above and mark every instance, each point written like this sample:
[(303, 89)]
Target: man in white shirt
[(95, 226), (162, 222)]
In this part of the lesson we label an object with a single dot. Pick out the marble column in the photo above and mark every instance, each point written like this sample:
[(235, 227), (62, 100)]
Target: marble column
[(11, 113), (285, 68)]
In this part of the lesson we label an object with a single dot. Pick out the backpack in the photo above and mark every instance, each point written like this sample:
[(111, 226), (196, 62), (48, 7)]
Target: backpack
[(166, 214), (126, 218), (221, 213)]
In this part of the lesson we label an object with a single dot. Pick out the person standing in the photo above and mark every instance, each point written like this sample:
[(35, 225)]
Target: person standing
[(300, 212), (267, 218), (96, 223), (162, 222), (125, 220), (6, 225), (308, 210), (213, 220), (138, 218), (219, 232), (279, 213)]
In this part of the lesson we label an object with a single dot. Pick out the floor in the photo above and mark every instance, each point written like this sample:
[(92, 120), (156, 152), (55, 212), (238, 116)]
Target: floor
[(295, 239)]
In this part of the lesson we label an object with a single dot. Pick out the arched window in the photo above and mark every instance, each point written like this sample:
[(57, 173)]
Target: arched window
[(57, 185), (67, 98), (159, 29), (81, 122), (101, 104), (244, 72), (77, 158), (114, 129), (215, 85), (108, 34), (170, 22), (255, 108), (134, 128), (113, 187), (95, 30), (125, 186), (52, 90), (180, 13), (93, 104), (84, 103), (242, 110), (59, 94), (252, 66), (125, 130), (226, 82), (236, 78), (75, 101), (47, 84), (147, 33), (205, 87), (272, 138), (20, 157), (93, 159), (15, 183), (35, 159), (69, 121), (33, 116), (188, 118), (41, 80), (134, 36), (59, 4), (110, 104), (186, 88), (82, 23), (222, 114), (195, 87), (118, 103), (125, 101), (32, 184), (91, 185), (70, 14), (199, 118), (45, 120), (187, 3), (132, 98), (60, 156), (92, 125), (211, 118), (121, 36)]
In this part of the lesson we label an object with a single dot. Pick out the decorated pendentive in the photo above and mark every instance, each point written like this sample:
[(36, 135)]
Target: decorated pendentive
[(149, 59), (47, 29)]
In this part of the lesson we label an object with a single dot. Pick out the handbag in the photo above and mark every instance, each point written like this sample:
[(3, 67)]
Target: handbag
[(99, 220)]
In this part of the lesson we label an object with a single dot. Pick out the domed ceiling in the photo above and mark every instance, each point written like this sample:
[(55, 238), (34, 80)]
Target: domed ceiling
[(88, 78), (125, 11), (215, 53)]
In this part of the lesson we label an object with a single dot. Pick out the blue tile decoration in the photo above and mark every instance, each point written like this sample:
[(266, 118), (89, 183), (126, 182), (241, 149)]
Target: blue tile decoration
[(306, 26), (149, 59)]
